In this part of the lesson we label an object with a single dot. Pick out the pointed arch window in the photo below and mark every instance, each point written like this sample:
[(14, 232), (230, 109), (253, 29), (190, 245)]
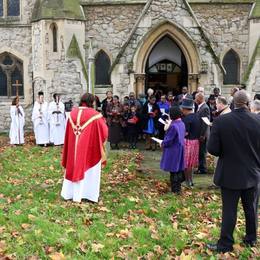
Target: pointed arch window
[(54, 30), (11, 71), (231, 63), (102, 68)]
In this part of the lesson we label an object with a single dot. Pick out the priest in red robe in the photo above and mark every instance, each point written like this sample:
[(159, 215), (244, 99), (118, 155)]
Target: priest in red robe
[(84, 152)]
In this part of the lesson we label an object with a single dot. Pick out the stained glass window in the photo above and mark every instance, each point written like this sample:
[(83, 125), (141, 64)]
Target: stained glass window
[(102, 66), (1, 8), (11, 70), (7, 60), (3, 83), (13, 8), (231, 63)]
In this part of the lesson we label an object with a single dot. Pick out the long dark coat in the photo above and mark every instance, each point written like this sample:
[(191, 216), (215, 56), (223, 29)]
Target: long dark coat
[(235, 139)]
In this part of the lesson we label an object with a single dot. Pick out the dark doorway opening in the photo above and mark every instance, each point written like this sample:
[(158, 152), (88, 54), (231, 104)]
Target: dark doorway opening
[(166, 67)]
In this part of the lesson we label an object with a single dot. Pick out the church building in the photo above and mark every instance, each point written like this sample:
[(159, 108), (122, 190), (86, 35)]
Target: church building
[(133, 44)]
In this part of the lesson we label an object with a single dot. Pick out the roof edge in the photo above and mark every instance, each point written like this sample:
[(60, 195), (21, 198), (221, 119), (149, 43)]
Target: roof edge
[(255, 55)]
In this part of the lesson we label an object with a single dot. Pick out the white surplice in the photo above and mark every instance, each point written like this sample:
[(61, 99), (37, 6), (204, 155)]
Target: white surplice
[(16, 133), (40, 122), (88, 188), (57, 123)]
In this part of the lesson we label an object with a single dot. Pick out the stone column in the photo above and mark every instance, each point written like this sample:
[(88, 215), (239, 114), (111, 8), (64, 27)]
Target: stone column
[(193, 82), (139, 83)]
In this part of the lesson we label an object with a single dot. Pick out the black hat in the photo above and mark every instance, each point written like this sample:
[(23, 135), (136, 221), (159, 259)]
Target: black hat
[(211, 97), (257, 96), (187, 103)]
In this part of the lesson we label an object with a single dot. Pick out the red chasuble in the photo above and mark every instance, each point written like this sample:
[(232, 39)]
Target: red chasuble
[(85, 137)]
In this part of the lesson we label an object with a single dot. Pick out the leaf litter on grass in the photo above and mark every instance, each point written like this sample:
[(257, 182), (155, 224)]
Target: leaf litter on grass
[(137, 216)]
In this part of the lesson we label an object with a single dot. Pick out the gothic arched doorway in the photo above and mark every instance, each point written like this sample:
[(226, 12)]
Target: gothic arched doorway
[(166, 67), (181, 43)]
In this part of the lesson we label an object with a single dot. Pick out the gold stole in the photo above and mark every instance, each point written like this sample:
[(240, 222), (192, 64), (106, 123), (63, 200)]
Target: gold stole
[(78, 129)]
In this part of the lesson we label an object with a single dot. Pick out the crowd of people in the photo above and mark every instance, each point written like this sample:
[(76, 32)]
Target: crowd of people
[(133, 120), (186, 127)]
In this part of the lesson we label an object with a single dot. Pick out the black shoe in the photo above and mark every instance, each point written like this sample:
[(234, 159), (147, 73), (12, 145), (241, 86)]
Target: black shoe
[(215, 248), (249, 243)]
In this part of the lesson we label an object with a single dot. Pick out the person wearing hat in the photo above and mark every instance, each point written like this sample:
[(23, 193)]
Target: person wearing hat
[(257, 96), (212, 107), (192, 135)]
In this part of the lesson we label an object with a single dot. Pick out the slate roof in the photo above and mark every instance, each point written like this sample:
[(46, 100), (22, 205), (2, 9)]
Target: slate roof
[(57, 9), (83, 2), (256, 11)]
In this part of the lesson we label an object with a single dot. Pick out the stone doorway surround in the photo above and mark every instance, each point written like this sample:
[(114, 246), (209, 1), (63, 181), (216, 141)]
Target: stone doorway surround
[(182, 39)]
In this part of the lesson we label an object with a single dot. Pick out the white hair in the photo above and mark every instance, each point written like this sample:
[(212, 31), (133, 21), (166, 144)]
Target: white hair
[(255, 106), (150, 91), (200, 89)]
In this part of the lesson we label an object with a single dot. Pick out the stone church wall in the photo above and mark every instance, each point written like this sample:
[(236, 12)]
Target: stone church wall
[(227, 26), (110, 25), (16, 38), (254, 79), (160, 11)]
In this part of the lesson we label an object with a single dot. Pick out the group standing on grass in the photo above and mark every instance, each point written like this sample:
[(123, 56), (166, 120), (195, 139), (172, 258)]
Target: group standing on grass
[(235, 139), (186, 136), (48, 121)]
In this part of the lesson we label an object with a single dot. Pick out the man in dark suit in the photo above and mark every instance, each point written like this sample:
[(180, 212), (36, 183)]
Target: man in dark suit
[(235, 139), (202, 111), (184, 93)]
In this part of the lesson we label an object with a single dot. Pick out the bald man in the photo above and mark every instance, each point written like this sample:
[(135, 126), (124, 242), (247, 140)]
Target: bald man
[(235, 139)]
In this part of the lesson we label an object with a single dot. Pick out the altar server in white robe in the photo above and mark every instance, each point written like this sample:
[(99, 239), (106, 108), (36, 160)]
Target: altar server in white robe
[(40, 120), (16, 133), (57, 121)]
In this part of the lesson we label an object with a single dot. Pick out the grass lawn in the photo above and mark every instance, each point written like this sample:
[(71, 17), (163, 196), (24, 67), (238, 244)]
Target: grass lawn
[(137, 216)]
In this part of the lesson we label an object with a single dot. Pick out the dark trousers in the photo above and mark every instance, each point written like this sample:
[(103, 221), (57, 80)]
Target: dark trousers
[(202, 156), (161, 131), (124, 132), (176, 178), (230, 199), (132, 139)]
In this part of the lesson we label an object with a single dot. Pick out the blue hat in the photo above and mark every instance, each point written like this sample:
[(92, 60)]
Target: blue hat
[(187, 103)]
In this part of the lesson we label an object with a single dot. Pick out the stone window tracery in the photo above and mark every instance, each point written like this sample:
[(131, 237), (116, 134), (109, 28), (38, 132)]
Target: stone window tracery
[(231, 63), (9, 8), (11, 70), (102, 68)]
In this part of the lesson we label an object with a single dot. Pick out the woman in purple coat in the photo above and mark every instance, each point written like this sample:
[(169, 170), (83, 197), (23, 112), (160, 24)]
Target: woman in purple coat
[(173, 150)]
